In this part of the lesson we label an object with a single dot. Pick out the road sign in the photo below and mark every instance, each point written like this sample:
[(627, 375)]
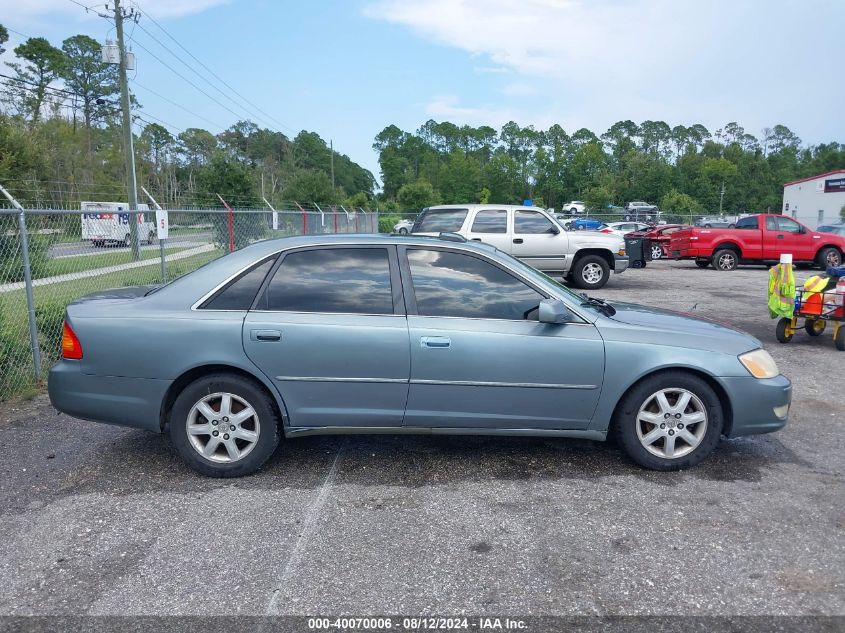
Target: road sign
[(162, 224)]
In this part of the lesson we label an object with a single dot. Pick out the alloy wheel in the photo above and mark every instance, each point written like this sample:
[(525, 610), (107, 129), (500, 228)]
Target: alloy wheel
[(656, 251), (223, 427), (727, 261), (833, 258), (671, 423), (592, 273)]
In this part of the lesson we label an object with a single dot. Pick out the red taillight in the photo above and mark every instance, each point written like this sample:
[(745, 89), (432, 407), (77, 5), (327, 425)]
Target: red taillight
[(605, 231), (71, 348)]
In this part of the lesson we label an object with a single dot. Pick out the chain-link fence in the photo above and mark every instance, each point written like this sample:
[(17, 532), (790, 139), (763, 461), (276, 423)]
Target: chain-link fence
[(71, 254)]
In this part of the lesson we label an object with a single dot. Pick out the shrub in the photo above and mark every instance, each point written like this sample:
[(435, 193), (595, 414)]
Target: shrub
[(49, 318), (387, 222)]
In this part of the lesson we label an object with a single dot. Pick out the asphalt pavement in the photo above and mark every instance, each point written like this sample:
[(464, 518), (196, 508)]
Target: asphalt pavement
[(100, 520)]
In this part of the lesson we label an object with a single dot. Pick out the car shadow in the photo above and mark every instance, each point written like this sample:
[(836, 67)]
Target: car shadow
[(143, 462)]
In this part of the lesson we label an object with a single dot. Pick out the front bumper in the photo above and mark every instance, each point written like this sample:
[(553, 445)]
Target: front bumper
[(754, 403), (620, 265), (133, 402)]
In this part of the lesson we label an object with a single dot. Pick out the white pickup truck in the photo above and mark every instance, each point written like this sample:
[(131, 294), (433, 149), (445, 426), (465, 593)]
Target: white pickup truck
[(584, 258)]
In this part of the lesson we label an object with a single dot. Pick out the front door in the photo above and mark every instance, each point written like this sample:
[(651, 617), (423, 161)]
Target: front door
[(329, 330), (480, 358), (784, 235)]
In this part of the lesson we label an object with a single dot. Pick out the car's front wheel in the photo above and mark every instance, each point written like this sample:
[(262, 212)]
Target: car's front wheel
[(224, 425), (656, 251), (590, 272), (669, 421), (403, 231)]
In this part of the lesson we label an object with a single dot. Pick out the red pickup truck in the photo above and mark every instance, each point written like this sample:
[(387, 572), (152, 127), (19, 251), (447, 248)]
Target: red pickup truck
[(757, 239)]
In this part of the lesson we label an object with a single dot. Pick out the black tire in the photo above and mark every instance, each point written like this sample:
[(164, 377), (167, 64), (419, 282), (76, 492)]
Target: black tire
[(702, 263), (839, 339), (708, 226), (403, 231), (815, 327), (781, 332), (725, 259), (829, 256), (588, 264), (628, 218), (250, 392), (573, 211), (625, 422), (731, 226)]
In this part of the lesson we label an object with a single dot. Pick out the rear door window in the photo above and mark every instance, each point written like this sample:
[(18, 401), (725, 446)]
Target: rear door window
[(490, 221), (747, 223), (440, 221), (331, 280)]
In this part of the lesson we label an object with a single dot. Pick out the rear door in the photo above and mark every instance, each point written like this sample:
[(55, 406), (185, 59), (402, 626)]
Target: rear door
[(491, 226), (329, 329), (538, 241)]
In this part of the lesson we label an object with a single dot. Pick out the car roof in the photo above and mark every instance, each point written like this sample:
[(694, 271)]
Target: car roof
[(474, 206)]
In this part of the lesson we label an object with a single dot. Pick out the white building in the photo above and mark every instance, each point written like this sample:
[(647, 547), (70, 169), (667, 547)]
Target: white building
[(816, 200)]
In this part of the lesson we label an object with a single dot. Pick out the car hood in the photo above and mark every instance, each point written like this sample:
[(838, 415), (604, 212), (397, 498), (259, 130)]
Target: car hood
[(584, 239), (684, 329)]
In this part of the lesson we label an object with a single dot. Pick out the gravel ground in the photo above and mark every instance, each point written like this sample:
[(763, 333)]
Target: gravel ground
[(100, 520)]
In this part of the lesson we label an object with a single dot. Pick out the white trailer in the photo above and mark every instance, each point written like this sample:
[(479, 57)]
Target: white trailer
[(108, 223)]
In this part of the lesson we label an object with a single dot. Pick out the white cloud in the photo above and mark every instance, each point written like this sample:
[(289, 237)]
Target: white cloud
[(27, 11), (682, 61)]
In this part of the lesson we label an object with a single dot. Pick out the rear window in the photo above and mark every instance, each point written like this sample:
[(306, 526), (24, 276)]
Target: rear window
[(240, 293), (747, 223), (440, 221)]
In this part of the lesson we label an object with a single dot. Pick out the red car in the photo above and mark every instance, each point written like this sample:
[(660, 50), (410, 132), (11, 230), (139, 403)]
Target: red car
[(659, 236), (757, 239)]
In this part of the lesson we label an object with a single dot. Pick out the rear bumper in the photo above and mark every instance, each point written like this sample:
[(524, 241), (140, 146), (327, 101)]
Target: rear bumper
[(758, 406), (620, 264), (133, 402)]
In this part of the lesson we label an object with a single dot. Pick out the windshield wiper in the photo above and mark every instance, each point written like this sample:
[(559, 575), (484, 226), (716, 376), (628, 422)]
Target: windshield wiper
[(599, 304)]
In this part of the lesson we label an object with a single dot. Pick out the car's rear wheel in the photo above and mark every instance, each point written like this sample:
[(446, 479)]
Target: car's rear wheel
[(591, 272), (224, 425), (573, 211), (829, 256), (669, 421), (403, 231), (656, 251), (725, 259)]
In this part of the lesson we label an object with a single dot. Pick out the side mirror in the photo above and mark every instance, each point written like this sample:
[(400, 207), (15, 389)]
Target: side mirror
[(554, 230), (553, 311)]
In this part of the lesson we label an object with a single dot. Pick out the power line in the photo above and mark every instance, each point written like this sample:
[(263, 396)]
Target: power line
[(196, 72), (213, 74), (161, 96)]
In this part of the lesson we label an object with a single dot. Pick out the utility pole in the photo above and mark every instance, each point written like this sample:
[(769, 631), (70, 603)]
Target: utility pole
[(128, 145), (331, 147)]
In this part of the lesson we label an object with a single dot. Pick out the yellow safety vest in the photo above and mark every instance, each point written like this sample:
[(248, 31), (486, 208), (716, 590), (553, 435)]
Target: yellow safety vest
[(781, 291)]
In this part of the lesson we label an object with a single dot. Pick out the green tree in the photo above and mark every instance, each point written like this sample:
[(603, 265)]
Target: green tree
[(4, 37), (842, 213), (42, 64), (89, 79), (679, 204), (417, 195), (311, 185), (598, 198)]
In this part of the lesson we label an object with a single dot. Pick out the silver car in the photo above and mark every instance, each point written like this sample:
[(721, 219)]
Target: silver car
[(390, 334)]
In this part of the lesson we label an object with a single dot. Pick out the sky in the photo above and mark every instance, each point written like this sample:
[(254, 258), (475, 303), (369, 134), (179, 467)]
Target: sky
[(348, 68)]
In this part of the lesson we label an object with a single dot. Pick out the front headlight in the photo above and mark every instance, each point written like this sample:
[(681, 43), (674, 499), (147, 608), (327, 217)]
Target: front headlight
[(759, 364), (621, 252)]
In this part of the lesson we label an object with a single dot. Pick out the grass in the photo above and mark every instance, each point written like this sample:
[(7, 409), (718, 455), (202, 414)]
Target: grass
[(79, 263), (17, 379)]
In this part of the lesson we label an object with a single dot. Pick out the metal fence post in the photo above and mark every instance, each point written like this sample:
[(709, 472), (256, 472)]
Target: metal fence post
[(160, 242), (27, 278)]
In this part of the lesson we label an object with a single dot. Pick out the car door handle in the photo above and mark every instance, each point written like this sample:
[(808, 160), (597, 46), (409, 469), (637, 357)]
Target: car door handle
[(265, 335), (780, 237), (476, 239), (517, 240), (437, 342)]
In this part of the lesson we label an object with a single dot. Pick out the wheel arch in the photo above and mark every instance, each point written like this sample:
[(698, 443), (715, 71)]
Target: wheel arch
[(828, 245), (733, 246), (190, 375), (724, 400), (604, 253)]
